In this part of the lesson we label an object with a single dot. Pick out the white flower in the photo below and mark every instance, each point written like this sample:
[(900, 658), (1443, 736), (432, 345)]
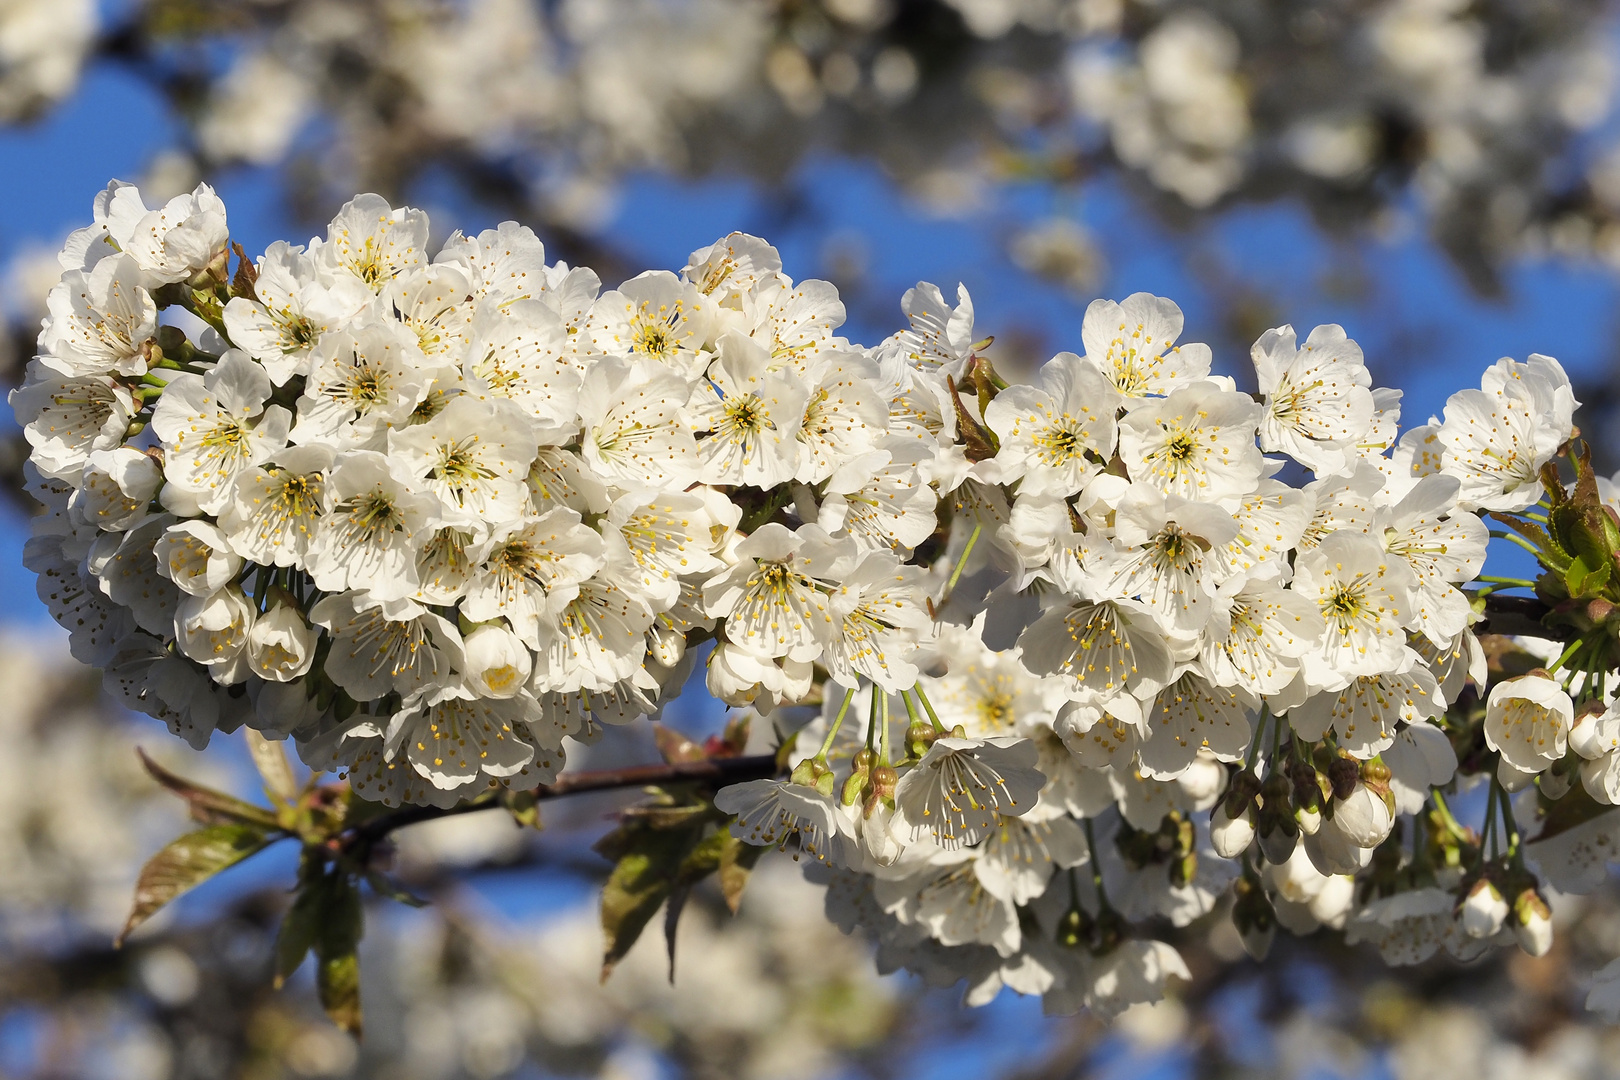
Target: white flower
[(102, 320), (1197, 443), (782, 814), (668, 535), (213, 630), (1111, 648), (372, 241), (751, 415), (521, 353), (66, 419), (1058, 433), (1347, 503), (730, 267), (362, 381), (291, 308), (597, 638), (1527, 720), (1318, 399), (461, 743), (952, 906), (280, 644), (635, 427), (1018, 857), (434, 305), (507, 263), (879, 614), (881, 498), (774, 600), (844, 414), (1161, 555), (216, 426), (1498, 437), (369, 538), (531, 568), (1255, 637), (654, 317), (498, 665), (1190, 715), (1367, 713), (380, 648), (941, 337), (1442, 546), (185, 237), (1365, 597), (1420, 758), (958, 789), (197, 557), (276, 506), (794, 323), (473, 456), (1270, 520), (1134, 343), (115, 488)]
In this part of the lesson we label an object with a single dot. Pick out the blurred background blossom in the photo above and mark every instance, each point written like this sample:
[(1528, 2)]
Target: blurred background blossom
[(1442, 177)]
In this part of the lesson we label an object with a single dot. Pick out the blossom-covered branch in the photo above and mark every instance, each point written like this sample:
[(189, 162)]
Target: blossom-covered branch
[(1056, 659)]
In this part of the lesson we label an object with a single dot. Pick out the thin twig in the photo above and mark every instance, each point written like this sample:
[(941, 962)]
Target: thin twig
[(718, 771)]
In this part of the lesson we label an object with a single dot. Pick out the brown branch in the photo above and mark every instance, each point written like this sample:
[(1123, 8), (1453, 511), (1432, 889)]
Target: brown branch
[(1517, 615), (715, 771)]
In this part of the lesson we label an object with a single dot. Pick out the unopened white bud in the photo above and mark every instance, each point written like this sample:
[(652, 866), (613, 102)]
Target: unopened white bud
[(213, 630), (498, 664), (1363, 817), (1231, 837), (1512, 779), (116, 488), (281, 645), (1484, 911), (1309, 820), (1532, 923)]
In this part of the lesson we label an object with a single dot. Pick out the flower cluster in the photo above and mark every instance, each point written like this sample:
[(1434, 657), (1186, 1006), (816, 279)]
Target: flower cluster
[(1087, 652)]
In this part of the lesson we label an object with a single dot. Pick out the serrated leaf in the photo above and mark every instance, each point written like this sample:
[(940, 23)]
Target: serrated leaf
[(1585, 580), (270, 758), (188, 862), (737, 861), (1552, 554), (207, 806)]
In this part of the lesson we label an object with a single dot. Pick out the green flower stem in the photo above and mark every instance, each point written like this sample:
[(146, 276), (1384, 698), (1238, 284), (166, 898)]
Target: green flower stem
[(1517, 539), (832, 732), (973, 538), (933, 717)]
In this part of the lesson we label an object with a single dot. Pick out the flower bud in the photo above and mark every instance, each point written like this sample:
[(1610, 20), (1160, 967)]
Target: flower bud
[(498, 664), (1254, 917), (280, 644), (1532, 923), (1363, 816), (1231, 836), (213, 630), (1556, 781), (1342, 774), (1484, 910), (1512, 779), (1309, 821)]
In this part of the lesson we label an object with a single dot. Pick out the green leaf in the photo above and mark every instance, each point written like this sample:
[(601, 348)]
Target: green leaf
[(296, 935), (1553, 555), (737, 861), (270, 758), (207, 806), (337, 945), (1585, 580), (191, 860), (383, 885), (657, 850), (524, 806)]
